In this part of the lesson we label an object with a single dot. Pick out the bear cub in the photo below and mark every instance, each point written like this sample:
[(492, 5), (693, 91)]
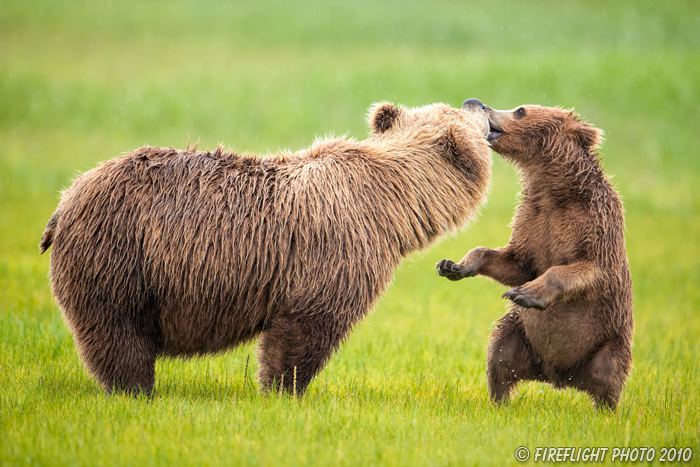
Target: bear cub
[(570, 322)]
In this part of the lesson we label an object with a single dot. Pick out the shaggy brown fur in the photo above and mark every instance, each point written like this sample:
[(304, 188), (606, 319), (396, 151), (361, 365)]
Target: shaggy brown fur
[(566, 256), (178, 253)]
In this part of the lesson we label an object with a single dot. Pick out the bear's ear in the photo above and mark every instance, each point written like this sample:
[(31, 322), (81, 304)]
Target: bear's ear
[(382, 116), (454, 143), (583, 134)]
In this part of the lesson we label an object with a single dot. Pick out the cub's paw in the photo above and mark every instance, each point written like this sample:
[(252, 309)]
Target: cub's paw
[(525, 298), (453, 271)]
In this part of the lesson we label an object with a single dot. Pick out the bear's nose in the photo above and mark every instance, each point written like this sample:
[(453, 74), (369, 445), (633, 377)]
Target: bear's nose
[(473, 103)]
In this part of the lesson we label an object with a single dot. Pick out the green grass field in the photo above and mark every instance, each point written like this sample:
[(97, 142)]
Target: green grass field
[(82, 82)]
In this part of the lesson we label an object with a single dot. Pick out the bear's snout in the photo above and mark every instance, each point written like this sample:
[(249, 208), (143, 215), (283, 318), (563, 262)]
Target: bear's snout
[(472, 103), (475, 106)]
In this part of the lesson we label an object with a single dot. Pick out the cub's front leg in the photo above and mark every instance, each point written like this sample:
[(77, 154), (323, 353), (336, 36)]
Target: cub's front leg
[(500, 265), (558, 283)]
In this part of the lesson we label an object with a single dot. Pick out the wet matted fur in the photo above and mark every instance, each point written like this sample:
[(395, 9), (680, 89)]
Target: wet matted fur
[(178, 253), (571, 321)]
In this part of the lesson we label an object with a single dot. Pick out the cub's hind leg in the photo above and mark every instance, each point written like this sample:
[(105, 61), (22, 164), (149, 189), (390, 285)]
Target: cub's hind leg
[(510, 359), (603, 376)]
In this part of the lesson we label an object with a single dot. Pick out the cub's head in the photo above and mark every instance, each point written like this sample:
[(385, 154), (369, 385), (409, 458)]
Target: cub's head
[(529, 131), (459, 132)]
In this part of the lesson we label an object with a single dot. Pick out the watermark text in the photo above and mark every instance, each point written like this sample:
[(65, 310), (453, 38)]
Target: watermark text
[(549, 454)]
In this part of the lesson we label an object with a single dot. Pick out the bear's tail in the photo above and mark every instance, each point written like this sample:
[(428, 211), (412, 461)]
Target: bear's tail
[(47, 238)]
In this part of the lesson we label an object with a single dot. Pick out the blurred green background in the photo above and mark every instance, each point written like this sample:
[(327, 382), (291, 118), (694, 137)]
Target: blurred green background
[(84, 81)]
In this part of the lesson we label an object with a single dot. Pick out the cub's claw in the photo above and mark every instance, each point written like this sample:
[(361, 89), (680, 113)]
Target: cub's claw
[(447, 268), (524, 298), (453, 271)]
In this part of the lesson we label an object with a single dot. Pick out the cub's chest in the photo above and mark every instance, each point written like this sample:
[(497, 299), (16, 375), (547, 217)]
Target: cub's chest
[(551, 234)]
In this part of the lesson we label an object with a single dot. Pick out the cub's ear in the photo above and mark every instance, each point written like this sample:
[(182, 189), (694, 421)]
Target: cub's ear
[(382, 116), (582, 133)]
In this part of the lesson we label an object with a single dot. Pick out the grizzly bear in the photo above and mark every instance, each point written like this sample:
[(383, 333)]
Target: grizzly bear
[(571, 322), (163, 252)]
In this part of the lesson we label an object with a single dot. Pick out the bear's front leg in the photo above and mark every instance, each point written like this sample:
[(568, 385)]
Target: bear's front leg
[(556, 284), (500, 265), (295, 347)]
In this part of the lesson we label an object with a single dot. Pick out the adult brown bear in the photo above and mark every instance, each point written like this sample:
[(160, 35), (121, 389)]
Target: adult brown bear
[(177, 253), (571, 322)]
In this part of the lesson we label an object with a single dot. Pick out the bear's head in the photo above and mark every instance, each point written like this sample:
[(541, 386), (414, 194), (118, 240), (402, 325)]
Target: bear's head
[(459, 132), (529, 132)]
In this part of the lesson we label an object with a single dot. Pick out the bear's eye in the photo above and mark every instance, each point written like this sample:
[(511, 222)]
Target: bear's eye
[(520, 113)]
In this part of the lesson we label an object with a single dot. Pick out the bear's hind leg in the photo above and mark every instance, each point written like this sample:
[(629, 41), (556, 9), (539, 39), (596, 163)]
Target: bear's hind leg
[(119, 357), (295, 343), (604, 375), (510, 359)]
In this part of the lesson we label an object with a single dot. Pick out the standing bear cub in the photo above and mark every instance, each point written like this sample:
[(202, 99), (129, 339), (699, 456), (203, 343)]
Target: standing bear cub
[(179, 253), (571, 320)]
